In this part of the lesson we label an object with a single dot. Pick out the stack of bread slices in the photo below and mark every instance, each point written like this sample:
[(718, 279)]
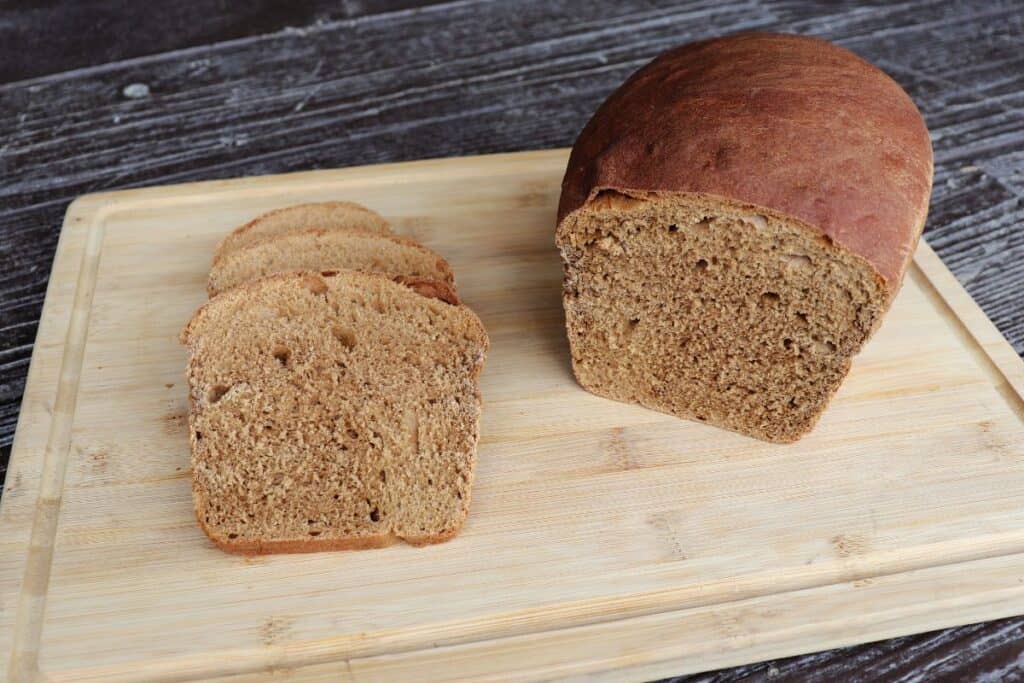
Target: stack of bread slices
[(333, 385)]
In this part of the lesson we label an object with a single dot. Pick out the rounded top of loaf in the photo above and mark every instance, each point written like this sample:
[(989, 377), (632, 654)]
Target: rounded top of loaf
[(788, 123)]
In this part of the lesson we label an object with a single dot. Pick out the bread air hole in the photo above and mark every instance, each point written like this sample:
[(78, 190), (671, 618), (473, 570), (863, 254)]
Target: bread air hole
[(215, 394), (374, 515), (769, 299), (758, 221), (314, 284), (282, 354), (701, 264), (615, 201), (347, 338), (823, 347), (796, 261)]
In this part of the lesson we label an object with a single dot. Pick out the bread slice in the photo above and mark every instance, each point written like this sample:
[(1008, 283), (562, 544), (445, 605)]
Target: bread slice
[(735, 220), (332, 411), (324, 215), (318, 249)]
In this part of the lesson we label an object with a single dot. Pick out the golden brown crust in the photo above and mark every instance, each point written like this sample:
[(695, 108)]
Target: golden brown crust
[(788, 123), (296, 546), (374, 222), (431, 289), (216, 282)]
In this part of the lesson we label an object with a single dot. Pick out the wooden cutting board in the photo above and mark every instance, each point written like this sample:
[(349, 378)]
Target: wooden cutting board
[(605, 540)]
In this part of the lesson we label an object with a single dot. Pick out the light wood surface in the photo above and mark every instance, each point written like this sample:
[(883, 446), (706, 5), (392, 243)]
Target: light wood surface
[(605, 540)]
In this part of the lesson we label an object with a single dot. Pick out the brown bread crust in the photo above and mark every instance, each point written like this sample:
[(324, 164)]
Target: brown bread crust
[(294, 546), (301, 215), (793, 124), (431, 289), (219, 281)]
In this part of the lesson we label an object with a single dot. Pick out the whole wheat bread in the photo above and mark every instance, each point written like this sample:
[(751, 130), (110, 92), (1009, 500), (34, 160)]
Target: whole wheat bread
[(318, 249), (324, 215), (332, 411), (734, 222)]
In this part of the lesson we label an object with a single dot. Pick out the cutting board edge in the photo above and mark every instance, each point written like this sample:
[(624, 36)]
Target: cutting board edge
[(511, 163), (642, 647), (81, 243)]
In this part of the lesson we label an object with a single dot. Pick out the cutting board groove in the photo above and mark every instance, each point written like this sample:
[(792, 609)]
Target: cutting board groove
[(604, 540)]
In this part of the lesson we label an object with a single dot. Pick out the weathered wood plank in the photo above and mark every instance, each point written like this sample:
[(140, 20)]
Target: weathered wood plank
[(101, 31), (988, 651)]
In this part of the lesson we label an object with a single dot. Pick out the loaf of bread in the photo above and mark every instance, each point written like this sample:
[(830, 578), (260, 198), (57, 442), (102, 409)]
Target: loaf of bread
[(330, 411), (324, 215), (734, 222), (318, 249)]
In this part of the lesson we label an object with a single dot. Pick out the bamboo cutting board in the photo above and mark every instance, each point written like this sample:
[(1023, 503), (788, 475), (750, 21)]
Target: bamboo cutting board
[(605, 540)]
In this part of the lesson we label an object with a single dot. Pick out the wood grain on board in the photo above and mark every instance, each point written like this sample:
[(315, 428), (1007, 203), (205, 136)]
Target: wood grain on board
[(324, 85), (604, 538)]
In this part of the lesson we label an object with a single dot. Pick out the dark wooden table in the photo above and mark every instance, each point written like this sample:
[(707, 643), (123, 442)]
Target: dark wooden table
[(102, 94)]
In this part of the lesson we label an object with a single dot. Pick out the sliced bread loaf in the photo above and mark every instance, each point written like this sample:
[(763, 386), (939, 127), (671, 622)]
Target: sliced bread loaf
[(323, 215), (333, 411), (318, 250), (734, 222)]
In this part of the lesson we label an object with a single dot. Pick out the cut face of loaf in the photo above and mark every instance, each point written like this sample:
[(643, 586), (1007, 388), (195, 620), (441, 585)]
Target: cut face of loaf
[(324, 215), (319, 250), (332, 411), (713, 311)]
